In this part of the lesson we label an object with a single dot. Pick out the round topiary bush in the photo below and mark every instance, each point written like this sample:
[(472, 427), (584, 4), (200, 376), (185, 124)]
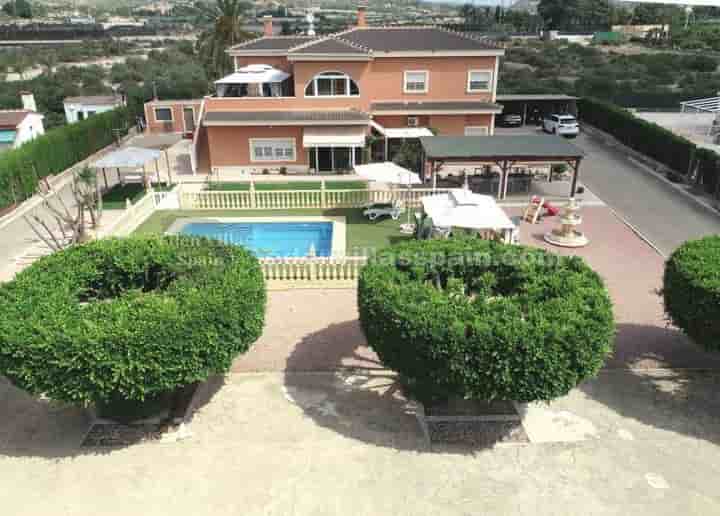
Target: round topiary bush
[(691, 290), (128, 320), (472, 319)]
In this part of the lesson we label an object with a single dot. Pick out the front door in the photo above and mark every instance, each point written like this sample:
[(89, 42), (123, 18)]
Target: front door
[(189, 117)]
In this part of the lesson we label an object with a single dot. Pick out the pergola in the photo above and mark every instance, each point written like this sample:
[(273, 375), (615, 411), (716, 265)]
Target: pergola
[(129, 157), (503, 151)]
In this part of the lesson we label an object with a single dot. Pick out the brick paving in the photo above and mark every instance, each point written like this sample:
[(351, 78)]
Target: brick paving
[(318, 330)]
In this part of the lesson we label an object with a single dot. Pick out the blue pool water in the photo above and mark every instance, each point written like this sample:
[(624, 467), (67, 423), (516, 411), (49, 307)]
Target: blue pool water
[(269, 239)]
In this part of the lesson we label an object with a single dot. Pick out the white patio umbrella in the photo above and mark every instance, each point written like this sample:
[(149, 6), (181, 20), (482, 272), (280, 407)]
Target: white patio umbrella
[(388, 172), (463, 209)]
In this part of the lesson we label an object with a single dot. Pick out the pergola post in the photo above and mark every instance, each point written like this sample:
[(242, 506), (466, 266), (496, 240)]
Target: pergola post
[(575, 165), (105, 178)]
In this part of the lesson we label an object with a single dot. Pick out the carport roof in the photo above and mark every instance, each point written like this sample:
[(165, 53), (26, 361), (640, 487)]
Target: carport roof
[(521, 147), (531, 97)]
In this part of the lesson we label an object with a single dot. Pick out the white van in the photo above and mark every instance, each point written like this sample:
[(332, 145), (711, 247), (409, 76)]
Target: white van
[(564, 125)]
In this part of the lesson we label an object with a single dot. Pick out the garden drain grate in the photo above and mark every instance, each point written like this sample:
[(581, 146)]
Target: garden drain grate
[(476, 433), (116, 434)]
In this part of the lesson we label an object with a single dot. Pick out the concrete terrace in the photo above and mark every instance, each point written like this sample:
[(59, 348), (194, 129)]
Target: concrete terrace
[(309, 423)]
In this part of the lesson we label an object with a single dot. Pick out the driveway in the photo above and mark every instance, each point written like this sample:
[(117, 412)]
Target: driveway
[(658, 211)]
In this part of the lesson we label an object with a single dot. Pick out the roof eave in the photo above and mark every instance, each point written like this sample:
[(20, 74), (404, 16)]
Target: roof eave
[(441, 53), (329, 57), (270, 123)]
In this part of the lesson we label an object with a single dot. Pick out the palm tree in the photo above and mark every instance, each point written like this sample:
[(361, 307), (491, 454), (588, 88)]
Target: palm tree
[(225, 18)]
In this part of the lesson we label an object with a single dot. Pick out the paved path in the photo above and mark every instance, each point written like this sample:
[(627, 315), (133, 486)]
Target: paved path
[(656, 209)]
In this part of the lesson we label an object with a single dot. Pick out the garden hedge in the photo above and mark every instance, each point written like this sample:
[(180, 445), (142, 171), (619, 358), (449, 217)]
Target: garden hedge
[(129, 319), (467, 318), (691, 290), (55, 151), (646, 137)]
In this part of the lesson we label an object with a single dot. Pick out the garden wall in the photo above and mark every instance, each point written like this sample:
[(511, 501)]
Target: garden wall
[(55, 151)]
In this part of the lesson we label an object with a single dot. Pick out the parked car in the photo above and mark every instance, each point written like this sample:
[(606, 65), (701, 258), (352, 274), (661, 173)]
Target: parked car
[(564, 125), (511, 120)]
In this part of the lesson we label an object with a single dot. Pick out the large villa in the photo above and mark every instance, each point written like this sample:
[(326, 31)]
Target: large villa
[(309, 104)]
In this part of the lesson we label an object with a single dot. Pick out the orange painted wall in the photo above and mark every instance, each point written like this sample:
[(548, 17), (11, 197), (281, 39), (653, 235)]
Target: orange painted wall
[(378, 80), (176, 126), (230, 146), (450, 125)]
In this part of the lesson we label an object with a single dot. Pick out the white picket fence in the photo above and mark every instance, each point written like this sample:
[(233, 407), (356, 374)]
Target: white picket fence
[(132, 216), (312, 269), (289, 199)]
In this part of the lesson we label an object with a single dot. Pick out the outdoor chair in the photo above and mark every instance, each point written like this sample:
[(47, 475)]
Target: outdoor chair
[(377, 210)]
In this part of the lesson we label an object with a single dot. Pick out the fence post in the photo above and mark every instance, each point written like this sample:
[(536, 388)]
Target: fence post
[(322, 194), (179, 194), (253, 203)]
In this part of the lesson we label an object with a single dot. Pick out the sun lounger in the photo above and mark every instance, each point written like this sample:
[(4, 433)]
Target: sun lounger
[(377, 210)]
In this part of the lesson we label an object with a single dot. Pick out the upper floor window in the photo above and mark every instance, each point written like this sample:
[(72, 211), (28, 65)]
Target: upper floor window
[(163, 114), (479, 80), (416, 81), (332, 84)]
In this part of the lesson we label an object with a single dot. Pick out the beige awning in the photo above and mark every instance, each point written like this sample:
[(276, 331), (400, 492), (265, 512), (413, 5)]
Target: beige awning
[(350, 136)]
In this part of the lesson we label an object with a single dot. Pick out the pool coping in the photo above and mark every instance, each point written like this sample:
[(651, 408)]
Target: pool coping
[(339, 236)]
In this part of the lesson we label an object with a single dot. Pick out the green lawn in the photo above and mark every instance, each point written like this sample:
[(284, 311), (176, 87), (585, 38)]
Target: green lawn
[(114, 198), (362, 235), (290, 185)]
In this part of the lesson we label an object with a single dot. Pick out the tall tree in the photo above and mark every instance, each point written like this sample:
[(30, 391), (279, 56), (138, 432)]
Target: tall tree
[(225, 18)]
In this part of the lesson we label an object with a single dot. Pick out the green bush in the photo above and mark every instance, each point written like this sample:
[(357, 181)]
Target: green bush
[(648, 138), (691, 290), (129, 319), (481, 320), (55, 151)]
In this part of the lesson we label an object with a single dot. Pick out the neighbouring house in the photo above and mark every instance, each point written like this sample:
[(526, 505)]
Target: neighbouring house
[(18, 126), (312, 104), (80, 108)]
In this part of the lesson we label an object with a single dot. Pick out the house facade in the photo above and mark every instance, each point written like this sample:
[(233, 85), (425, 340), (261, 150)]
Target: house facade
[(312, 104), (80, 108)]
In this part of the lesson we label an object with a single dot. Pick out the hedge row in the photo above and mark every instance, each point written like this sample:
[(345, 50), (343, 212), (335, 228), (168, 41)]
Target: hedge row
[(676, 152), (129, 319), (468, 318), (646, 137), (691, 290), (55, 151)]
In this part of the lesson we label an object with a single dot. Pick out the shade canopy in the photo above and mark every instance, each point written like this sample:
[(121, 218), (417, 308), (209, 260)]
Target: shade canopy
[(129, 157), (254, 74), (490, 148), (387, 172), (463, 209), (340, 136), (401, 132)]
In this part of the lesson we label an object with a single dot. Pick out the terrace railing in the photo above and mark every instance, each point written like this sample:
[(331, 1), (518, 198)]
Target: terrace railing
[(289, 199), (312, 269)]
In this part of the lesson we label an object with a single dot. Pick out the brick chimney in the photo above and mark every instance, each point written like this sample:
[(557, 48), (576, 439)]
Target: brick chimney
[(267, 26), (28, 101), (361, 21)]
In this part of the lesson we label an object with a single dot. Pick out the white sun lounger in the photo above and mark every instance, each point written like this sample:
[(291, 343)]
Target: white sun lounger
[(374, 211)]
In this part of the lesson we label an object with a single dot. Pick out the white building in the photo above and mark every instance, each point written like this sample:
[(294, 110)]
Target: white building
[(80, 108), (18, 126)]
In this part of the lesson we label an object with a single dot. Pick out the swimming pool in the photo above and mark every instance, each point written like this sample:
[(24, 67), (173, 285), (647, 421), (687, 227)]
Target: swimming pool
[(269, 239)]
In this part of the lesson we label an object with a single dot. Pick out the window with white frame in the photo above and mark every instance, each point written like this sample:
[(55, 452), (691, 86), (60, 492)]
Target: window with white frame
[(476, 130), (479, 80), (163, 114), (332, 84), (416, 81), (272, 149)]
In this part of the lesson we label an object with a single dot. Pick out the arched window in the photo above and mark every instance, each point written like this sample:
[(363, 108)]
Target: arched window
[(332, 84)]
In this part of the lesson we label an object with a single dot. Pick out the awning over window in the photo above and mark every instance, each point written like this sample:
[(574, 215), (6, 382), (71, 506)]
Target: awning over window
[(350, 136), (402, 132)]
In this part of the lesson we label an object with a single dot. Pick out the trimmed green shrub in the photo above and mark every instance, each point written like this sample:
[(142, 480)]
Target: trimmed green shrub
[(691, 290), (467, 318), (648, 138), (55, 151), (129, 319)]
